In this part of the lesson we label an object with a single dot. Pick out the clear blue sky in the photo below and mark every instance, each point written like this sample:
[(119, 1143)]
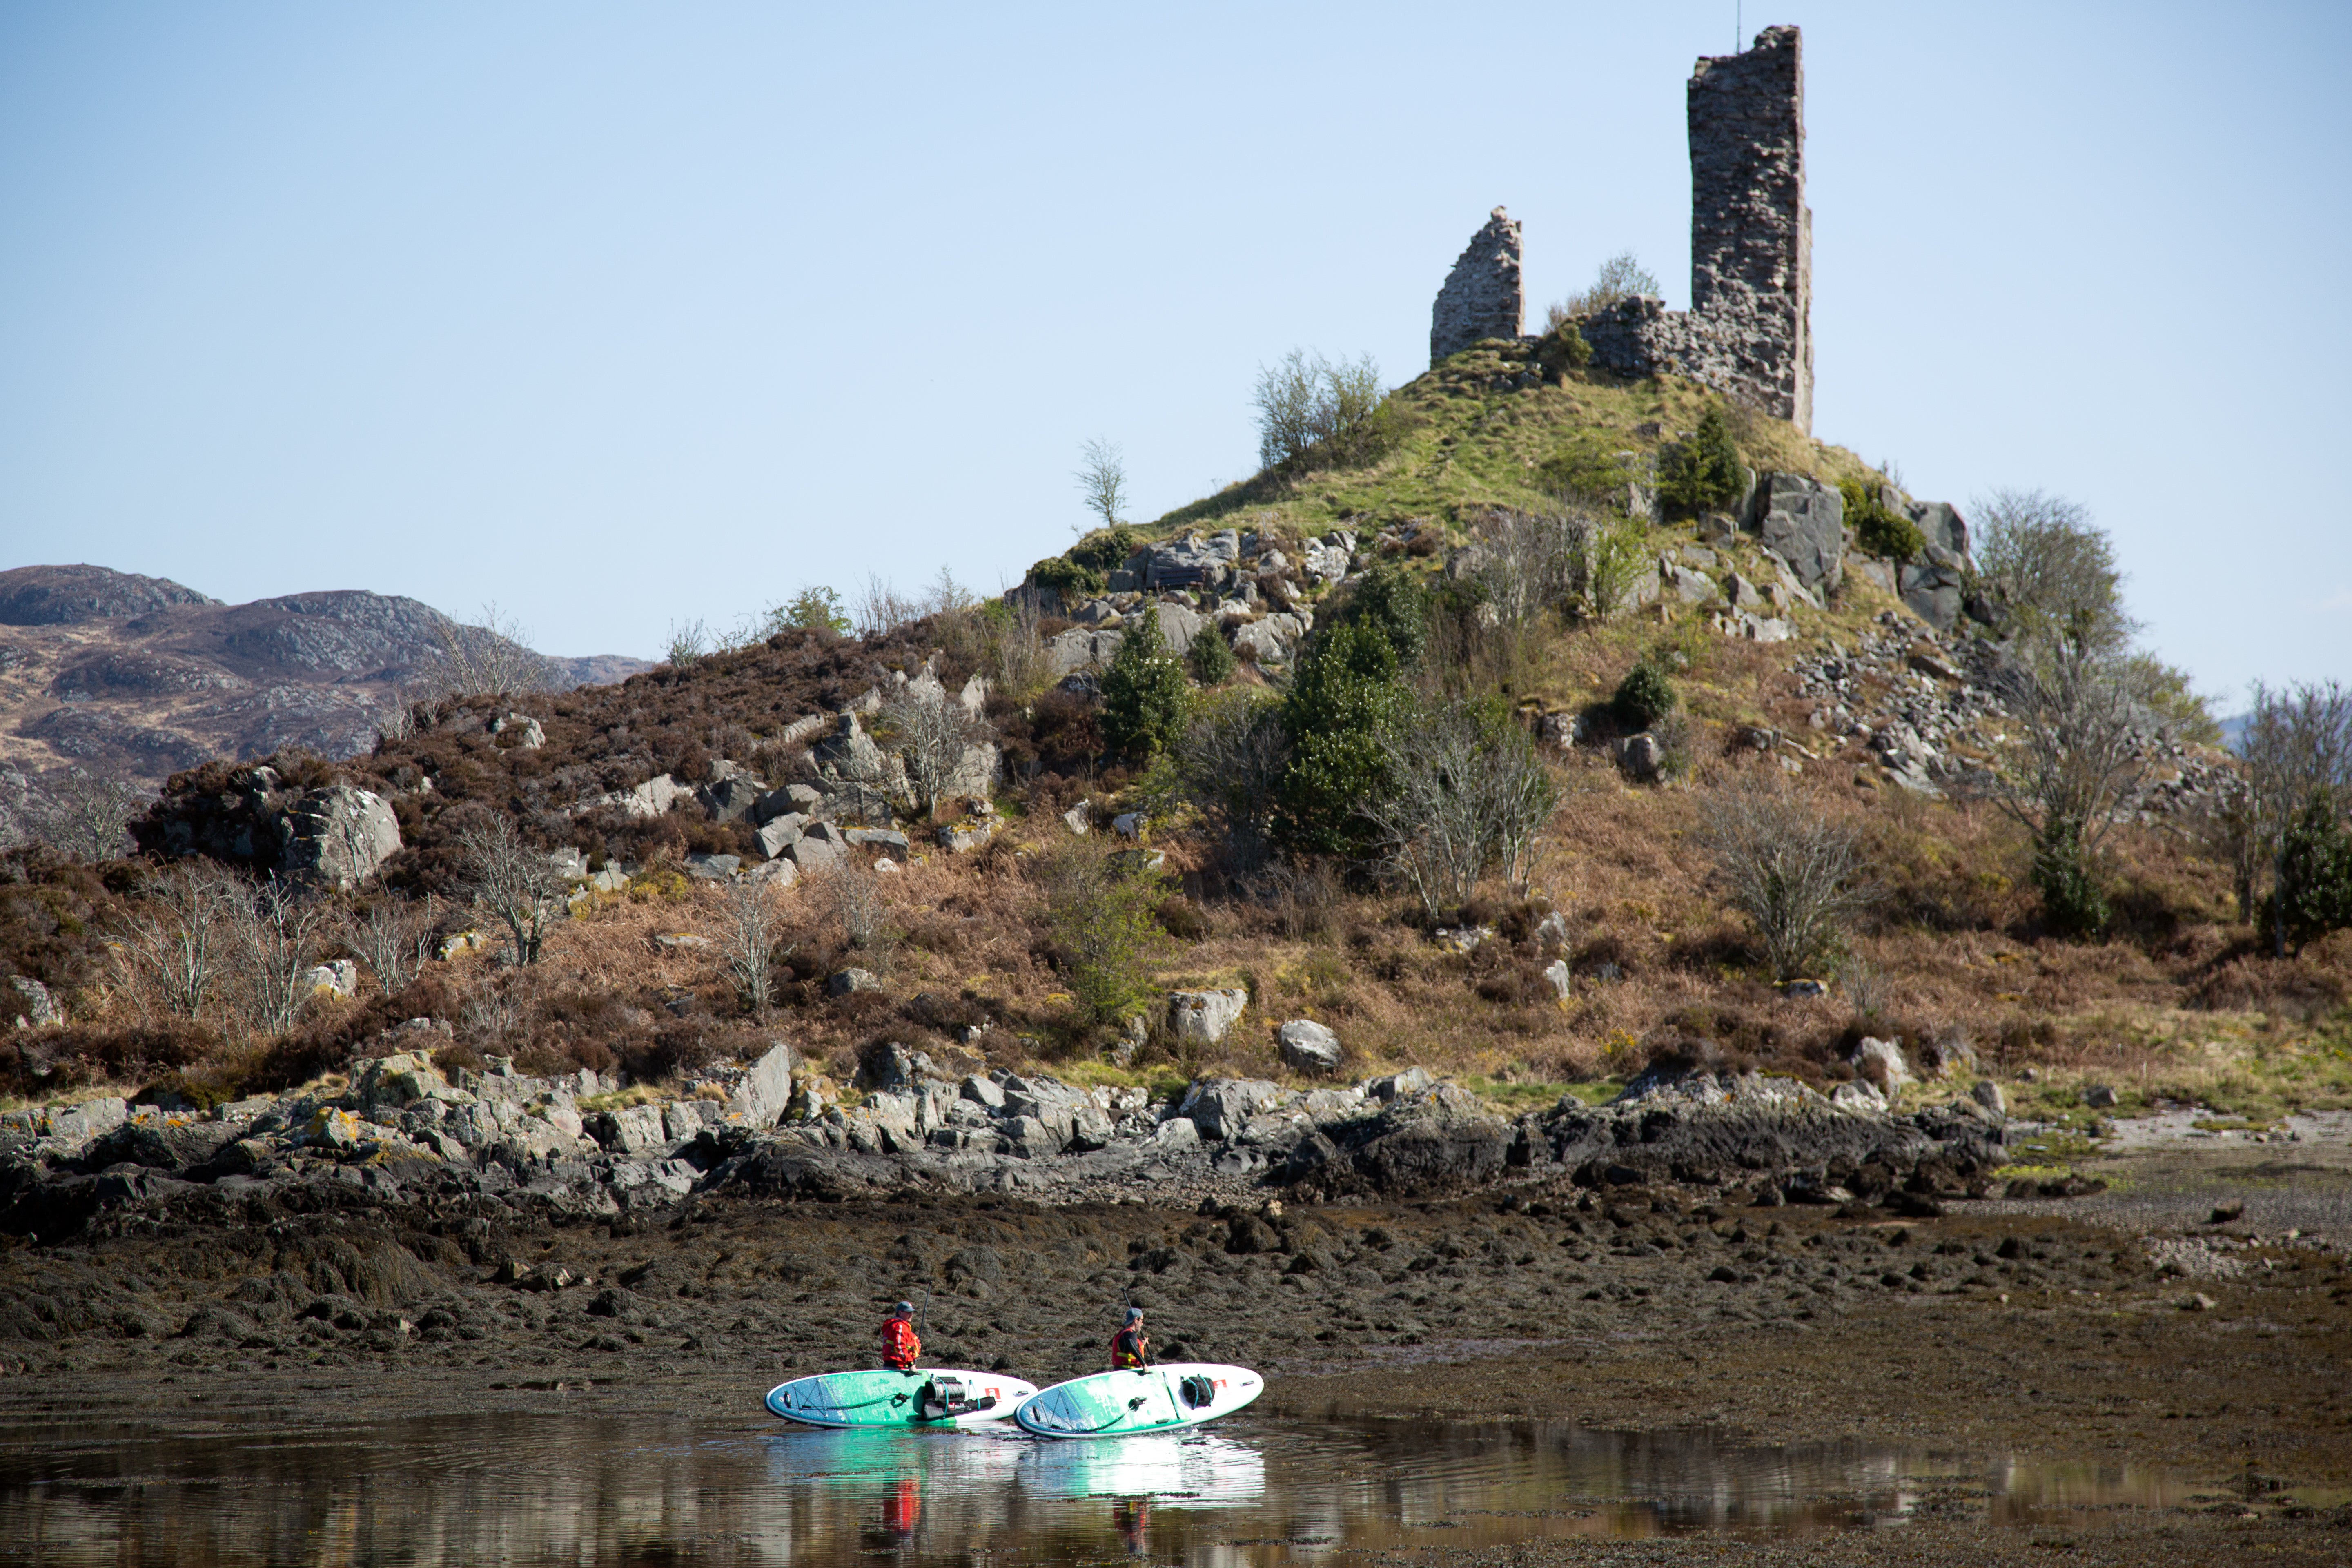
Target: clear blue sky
[(620, 315)]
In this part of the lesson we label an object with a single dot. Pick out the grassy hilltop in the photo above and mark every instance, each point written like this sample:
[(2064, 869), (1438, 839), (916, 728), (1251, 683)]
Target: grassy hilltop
[(984, 957)]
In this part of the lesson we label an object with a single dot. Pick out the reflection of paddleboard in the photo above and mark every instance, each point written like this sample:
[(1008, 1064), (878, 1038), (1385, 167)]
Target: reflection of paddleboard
[(1175, 1472), (928, 1396), (1139, 1399)]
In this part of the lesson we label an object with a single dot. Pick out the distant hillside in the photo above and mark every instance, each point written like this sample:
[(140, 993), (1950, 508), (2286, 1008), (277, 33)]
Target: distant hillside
[(121, 673)]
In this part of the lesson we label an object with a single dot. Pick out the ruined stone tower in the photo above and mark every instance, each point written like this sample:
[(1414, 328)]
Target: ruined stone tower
[(1749, 333), (1482, 297), (1751, 232)]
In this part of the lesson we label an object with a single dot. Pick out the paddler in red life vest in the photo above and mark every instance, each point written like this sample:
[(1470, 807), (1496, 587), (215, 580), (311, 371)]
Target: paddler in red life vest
[(899, 1345), (1131, 1345)]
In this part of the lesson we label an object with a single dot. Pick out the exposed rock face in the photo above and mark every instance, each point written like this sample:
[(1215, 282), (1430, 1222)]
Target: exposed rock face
[(67, 596), (1482, 296), (1751, 232), (339, 834), (1802, 522)]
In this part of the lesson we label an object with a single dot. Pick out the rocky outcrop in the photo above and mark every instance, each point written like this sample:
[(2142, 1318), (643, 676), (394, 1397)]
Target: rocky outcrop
[(1482, 296), (1801, 520), (72, 595), (339, 834)]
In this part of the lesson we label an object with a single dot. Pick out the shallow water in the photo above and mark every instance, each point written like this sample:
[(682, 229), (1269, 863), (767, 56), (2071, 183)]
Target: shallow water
[(511, 1488)]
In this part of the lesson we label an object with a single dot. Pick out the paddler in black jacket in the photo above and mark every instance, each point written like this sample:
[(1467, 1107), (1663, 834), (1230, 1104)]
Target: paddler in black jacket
[(1130, 1346)]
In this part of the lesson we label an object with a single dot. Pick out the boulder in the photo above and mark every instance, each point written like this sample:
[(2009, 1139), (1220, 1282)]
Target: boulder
[(984, 1092), (1988, 1094), (1307, 1047), (813, 854), (1802, 522), (1325, 560), (1080, 648), (28, 1003), (963, 837), (779, 834), (1557, 974), (1273, 639), (1691, 587), (1218, 1106), (1861, 1095), (1641, 757), (338, 977), (1205, 1017), (78, 1124), (851, 981), (528, 734), (759, 1096), (1076, 821), (1178, 624), (1940, 524), (732, 799), (1413, 1080), (1934, 592), (339, 834), (1881, 1061), (632, 1130), (713, 867), (877, 838), (1191, 561)]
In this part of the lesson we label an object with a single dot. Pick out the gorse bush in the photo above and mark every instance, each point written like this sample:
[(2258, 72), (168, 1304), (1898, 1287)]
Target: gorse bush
[(1144, 692), (1104, 914), (1701, 474), (2314, 892), (1342, 713), (1644, 697), (1210, 657), (1880, 529)]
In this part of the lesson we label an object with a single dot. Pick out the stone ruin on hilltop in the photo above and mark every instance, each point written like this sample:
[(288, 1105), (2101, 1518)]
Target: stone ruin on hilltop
[(1748, 332)]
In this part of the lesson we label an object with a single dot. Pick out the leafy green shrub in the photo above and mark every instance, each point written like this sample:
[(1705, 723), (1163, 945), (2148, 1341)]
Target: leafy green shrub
[(1701, 474), (1877, 527), (1313, 413), (1143, 691), (1211, 656), (1105, 549), (1644, 697), (2314, 894), (1068, 577), (816, 609), (1562, 349)]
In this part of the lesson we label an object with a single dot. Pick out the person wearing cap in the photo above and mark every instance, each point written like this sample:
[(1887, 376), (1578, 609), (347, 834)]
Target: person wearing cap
[(899, 1344), (1130, 1346)]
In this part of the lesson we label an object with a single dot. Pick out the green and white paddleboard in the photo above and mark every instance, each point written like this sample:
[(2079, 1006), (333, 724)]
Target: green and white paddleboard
[(928, 1396), (1138, 1399)]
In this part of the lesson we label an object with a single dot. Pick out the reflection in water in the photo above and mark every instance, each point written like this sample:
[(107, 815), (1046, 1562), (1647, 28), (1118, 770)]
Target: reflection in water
[(517, 1488)]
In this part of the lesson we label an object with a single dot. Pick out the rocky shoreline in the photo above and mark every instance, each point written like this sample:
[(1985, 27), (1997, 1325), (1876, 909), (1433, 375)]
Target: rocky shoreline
[(402, 1131)]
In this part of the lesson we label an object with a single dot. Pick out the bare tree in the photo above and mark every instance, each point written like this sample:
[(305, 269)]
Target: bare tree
[(881, 609), (277, 931), (2077, 755), (931, 731), (86, 815), (176, 945), (1794, 873), (393, 936), (520, 887), (1102, 479), (2298, 742), (1016, 648), (1468, 793), (2052, 571), (852, 898), (1229, 766), (688, 643), (492, 659), (752, 954)]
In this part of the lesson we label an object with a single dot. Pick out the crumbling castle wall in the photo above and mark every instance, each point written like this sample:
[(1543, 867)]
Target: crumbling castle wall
[(1482, 296), (1751, 232), (1749, 333)]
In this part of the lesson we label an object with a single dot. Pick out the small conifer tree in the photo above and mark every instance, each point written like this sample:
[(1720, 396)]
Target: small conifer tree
[(1701, 474), (1144, 693)]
